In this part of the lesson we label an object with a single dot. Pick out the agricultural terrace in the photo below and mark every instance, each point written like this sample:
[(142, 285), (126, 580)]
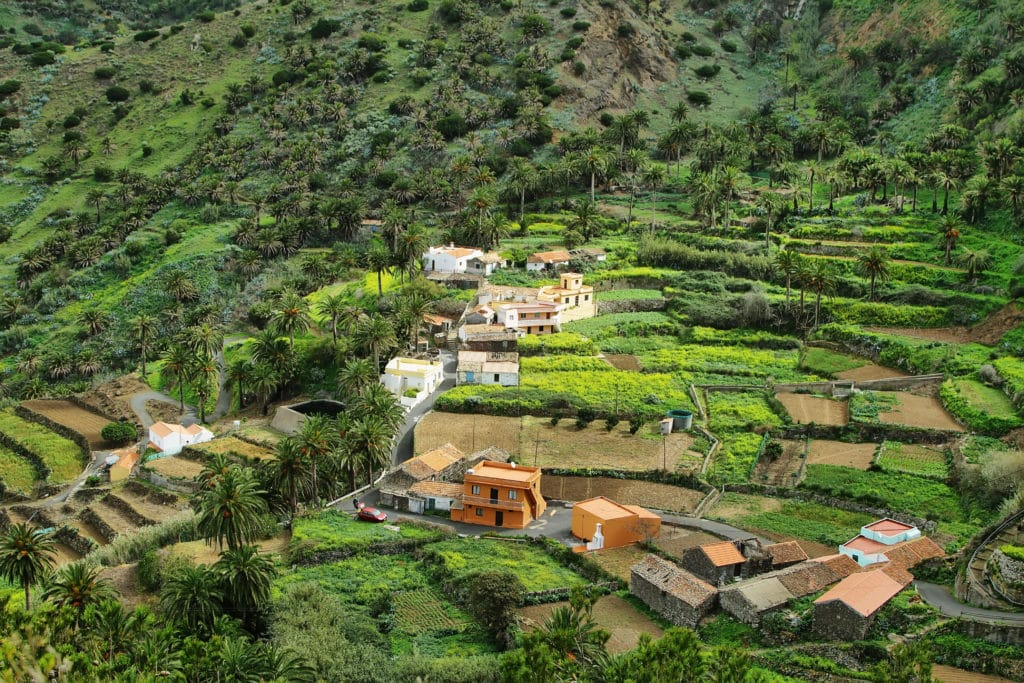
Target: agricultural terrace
[(233, 446), (63, 457), (86, 422), (16, 473), (536, 441), (338, 531), (616, 615)]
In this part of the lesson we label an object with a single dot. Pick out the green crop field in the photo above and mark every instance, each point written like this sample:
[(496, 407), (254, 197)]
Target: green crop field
[(16, 473), (458, 558), (63, 457), (335, 530)]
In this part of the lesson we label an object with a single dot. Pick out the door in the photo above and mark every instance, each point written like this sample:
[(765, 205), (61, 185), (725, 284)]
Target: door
[(494, 495), (499, 517), (431, 503)]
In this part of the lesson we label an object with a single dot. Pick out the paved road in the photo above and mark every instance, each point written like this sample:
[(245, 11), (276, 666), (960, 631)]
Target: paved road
[(138, 404), (942, 599), (403, 442)]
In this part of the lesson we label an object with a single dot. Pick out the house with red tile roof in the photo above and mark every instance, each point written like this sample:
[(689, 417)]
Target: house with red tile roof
[(717, 563), (169, 439), (548, 260), (874, 539), (847, 611)]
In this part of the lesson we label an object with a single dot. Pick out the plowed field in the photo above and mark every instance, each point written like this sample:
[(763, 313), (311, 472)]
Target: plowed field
[(86, 422)]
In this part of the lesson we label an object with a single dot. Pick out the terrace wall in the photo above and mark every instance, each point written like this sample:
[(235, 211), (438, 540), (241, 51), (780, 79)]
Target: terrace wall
[(77, 437)]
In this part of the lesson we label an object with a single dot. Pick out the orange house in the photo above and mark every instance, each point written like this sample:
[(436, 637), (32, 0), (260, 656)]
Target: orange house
[(500, 494), (620, 524)]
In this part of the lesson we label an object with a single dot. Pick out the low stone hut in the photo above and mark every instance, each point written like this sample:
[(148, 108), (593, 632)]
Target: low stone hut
[(717, 563), (847, 611), (446, 463), (672, 592)]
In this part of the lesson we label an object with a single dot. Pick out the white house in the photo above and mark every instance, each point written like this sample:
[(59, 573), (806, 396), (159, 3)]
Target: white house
[(411, 379), (537, 317), (488, 367), (548, 260), (451, 259), (876, 539), (434, 495), (170, 439), (485, 264)]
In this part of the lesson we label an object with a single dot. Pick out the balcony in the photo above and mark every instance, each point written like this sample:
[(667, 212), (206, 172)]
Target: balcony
[(494, 503)]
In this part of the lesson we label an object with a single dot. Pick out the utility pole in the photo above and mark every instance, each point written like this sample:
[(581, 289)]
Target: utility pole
[(664, 452)]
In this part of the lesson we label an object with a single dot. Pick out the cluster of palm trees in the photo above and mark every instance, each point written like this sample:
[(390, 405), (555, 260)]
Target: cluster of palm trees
[(193, 359)]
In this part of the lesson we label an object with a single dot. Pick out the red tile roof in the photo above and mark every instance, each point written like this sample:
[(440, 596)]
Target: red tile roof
[(549, 257), (723, 554), (889, 527), (865, 545), (783, 553), (867, 592), (911, 553)]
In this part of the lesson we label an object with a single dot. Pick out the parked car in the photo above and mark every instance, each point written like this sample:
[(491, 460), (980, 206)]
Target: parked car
[(368, 514)]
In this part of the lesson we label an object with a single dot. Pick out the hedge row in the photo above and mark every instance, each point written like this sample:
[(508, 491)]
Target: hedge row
[(977, 420)]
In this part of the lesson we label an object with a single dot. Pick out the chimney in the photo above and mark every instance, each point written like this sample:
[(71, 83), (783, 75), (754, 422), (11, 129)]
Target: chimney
[(513, 465), (451, 245)]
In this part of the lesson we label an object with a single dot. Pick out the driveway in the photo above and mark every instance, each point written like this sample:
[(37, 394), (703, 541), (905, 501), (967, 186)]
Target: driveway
[(942, 599), (404, 441), (138, 405)]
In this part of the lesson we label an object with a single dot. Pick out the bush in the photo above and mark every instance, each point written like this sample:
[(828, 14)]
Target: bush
[(683, 51), (146, 36), (42, 58), (707, 71), (116, 93), (239, 41), (119, 432), (9, 87), (418, 5), (568, 12), (728, 46), (103, 72), (635, 423), (146, 87), (323, 28), (102, 174), (698, 98), (70, 121), (372, 42), (580, 25), (579, 68), (147, 571), (625, 30), (248, 30), (703, 50), (206, 17)]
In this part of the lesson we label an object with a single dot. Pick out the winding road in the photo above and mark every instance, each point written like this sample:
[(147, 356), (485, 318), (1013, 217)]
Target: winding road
[(942, 599)]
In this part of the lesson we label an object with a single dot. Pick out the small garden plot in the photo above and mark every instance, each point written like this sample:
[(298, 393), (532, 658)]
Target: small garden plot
[(724, 360), (919, 411), (790, 519), (623, 361), (901, 492), (175, 467), (870, 371), (362, 579), (618, 561), (912, 459), (202, 552), (735, 458), (982, 408), (805, 409), (261, 434), (458, 558), (86, 422), (62, 456), (623, 325), (625, 491), (559, 343), (612, 613), (334, 530), (427, 610), (16, 473), (856, 455), (230, 445), (628, 294), (739, 411), (783, 470), (827, 363)]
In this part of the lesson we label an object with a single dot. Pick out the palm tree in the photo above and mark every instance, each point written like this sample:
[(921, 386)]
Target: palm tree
[(595, 162), (246, 577), (951, 228), (238, 372), (1013, 186), (729, 180), (26, 555), (230, 511), (269, 348), (788, 262), (522, 178), (411, 245), (316, 439), (143, 328), (375, 334), (78, 586), (378, 259), (413, 308), (291, 316), (264, 380), (653, 178), (357, 374), (290, 471), (333, 307), (822, 279), (874, 265), (205, 339), (813, 170), (583, 220), (771, 203), (369, 441), (192, 596), (205, 371), (975, 261), (948, 183), (177, 369), (377, 400)]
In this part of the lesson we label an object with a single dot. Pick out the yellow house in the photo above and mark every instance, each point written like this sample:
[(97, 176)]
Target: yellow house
[(576, 298), (126, 462), (412, 379)]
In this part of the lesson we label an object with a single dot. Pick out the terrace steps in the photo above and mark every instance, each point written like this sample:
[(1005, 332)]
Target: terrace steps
[(113, 518), (85, 530)]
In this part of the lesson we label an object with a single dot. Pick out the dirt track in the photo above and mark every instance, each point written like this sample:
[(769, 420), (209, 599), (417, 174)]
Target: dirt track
[(805, 409)]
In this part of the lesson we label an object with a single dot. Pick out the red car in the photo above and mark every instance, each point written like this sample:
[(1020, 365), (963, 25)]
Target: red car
[(368, 514)]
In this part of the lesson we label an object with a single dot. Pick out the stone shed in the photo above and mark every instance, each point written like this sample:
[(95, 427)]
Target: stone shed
[(847, 611), (786, 554), (446, 464), (717, 563), (671, 591)]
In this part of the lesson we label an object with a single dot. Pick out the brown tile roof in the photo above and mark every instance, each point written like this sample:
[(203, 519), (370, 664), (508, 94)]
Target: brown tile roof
[(549, 257), (867, 592), (843, 565), (723, 554), (865, 544), (675, 581), (783, 553), (432, 462), (911, 553), (492, 453), (440, 489), (808, 577)]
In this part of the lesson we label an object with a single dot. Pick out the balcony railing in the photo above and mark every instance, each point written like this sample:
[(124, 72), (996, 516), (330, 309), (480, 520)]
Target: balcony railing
[(492, 503)]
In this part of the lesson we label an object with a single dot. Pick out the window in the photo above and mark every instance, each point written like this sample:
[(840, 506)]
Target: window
[(513, 495), (475, 490), (479, 512), (497, 377), (586, 297)]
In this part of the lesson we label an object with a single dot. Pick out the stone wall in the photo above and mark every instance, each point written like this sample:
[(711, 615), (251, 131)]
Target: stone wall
[(77, 437), (669, 606), (125, 508), (629, 305), (101, 527), (995, 633), (1007, 576), (835, 621)]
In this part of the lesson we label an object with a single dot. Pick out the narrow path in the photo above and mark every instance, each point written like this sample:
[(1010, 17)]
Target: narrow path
[(138, 405), (942, 599), (404, 440)]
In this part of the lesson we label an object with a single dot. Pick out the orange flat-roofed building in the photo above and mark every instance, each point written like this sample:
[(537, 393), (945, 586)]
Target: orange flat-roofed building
[(500, 494), (620, 524)]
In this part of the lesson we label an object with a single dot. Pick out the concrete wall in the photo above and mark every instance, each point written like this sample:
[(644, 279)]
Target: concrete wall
[(287, 420)]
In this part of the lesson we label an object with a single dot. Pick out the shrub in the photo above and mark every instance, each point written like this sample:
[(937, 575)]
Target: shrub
[(323, 28), (119, 432), (625, 30), (418, 5), (9, 87), (372, 42), (248, 30), (104, 72), (239, 41), (728, 46), (703, 50), (42, 58), (580, 25), (206, 17), (579, 68), (146, 87), (698, 98), (285, 76), (535, 25), (610, 423), (707, 71), (146, 36), (683, 51), (116, 93), (147, 571), (102, 174), (635, 423), (70, 121), (147, 149)]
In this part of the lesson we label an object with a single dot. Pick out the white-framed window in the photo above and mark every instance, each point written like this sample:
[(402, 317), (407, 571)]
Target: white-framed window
[(513, 495), (476, 490)]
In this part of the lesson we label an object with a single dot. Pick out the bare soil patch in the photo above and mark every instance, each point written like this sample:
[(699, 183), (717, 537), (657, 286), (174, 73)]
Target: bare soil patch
[(676, 540), (626, 491), (946, 335), (870, 371), (950, 674), (562, 445), (623, 361), (153, 511), (612, 613), (124, 580), (618, 560), (988, 331), (855, 455), (232, 445), (201, 552), (162, 411), (919, 411), (65, 555), (112, 398), (734, 507), (783, 470), (173, 466), (804, 409), (114, 519), (86, 422)]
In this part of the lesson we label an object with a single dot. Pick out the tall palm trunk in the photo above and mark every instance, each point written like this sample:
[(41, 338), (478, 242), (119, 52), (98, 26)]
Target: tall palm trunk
[(810, 195), (913, 206), (935, 204), (831, 197), (593, 179), (945, 201), (316, 489), (522, 207)]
